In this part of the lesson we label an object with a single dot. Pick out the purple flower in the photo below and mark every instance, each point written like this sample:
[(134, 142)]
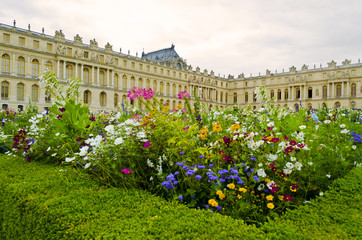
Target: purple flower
[(198, 177), (176, 173), (256, 178), (182, 153), (180, 164), (62, 109), (190, 172), (180, 197), (218, 208), (146, 145), (167, 184)]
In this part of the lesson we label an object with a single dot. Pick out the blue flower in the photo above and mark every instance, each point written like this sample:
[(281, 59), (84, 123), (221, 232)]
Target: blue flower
[(234, 171), (212, 177), (222, 180), (168, 184), (176, 173), (201, 166), (202, 156), (210, 165), (182, 153), (185, 168), (180, 163), (241, 182), (198, 177), (171, 177), (218, 208), (190, 172), (256, 178), (253, 158), (180, 197), (223, 171)]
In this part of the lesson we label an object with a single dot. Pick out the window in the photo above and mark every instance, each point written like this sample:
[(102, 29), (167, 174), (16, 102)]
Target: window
[(5, 64), (235, 97), (324, 91), (140, 83), (148, 68), (101, 59), (48, 66), (133, 82), (133, 65), (338, 90), (254, 97), (49, 47), (20, 92), (6, 38), (86, 54), (174, 89), (69, 51), (155, 69), (102, 99), (297, 93), (21, 41), (285, 94), (35, 67), (115, 100), (222, 84), (337, 104), (353, 104), (124, 63), (221, 96), (4, 90), (86, 75), (87, 97), (279, 97), (246, 97), (168, 72), (310, 92), (36, 44), (102, 78), (148, 83), (21, 66), (168, 89), (34, 93), (116, 61), (116, 80), (162, 71), (271, 94), (124, 82), (69, 71), (353, 90), (141, 67), (20, 108), (154, 85), (48, 97), (161, 88)]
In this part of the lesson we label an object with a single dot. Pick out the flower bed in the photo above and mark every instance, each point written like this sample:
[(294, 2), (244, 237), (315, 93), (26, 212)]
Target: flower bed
[(248, 164)]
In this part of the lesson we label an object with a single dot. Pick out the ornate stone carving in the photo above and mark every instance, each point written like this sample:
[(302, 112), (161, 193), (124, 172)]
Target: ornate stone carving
[(95, 57), (304, 68), (77, 39), (346, 63), (78, 53), (242, 76), (332, 64), (109, 60), (268, 72), (108, 47), (93, 43), (61, 50), (292, 69), (59, 35)]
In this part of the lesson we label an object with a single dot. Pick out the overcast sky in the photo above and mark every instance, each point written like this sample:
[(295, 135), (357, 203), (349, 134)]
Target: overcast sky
[(226, 36)]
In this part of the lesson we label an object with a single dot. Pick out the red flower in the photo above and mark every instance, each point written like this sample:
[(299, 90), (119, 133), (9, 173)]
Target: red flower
[(301, 145), (293, 143), (272, 165), (274, 140), (126, 171), (287, 198), (289, 149), (146, 145)]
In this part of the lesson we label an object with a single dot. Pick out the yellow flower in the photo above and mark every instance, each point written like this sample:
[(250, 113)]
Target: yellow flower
[(213, 203), (216, 127), (234, 127), (293, 190), (222, 196), (219, 192), (231, 185), (178, 106), (242, 190), (270, 198), (268, 180), (281, 198), (270, 205), (203, 133), (239, 196), (285, 179), (209, 155)]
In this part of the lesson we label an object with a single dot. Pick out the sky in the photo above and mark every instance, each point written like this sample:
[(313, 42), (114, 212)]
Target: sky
[(226, 36)]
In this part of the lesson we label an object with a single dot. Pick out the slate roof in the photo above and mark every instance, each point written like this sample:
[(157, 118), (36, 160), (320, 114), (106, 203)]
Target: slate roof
[(163, 55)]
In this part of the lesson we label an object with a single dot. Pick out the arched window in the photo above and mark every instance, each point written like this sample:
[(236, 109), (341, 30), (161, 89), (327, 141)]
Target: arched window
[(34, 93), (86, 75), (235, 98), (35, 67), (48, 66), (4, 90), (337, 104), (174, 89), (179, 88), (5, 64), (48, 97), (338, 90), (116, 80), (279, 97), (226, 97), (102, 78), (140, 83), (87, 97), (286, 94), (161, 87), (246, 97), (271, 94), (103, 99), (185, 88), (20, 91), (21, 66), (217, 97), (155, 86), (115, 100), (221, 96), (69, 71), (209, 96), (353, 89), (133, 82), (173, 104), (297, 92), (124, 98), (168, 89), (124, 82), (324, 89), (148, 83)]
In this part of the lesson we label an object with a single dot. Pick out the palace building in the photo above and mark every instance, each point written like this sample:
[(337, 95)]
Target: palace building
[(107, 76)]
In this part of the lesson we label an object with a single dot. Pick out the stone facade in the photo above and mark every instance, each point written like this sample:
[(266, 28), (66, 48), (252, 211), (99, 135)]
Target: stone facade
[(108, 75)]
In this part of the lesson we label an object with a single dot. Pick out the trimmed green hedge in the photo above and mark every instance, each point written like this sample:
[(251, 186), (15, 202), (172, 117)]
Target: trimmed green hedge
[(39, 201)]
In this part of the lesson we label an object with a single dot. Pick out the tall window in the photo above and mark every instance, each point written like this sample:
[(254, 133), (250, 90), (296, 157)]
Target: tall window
[(6, 37), (297, 93), (36, 44), (221, 97), (310, 92), (34, 93), (21, 41), (5, 64), (285, 94), (48, 66), (226, 97), (48, 97), (161, 87), (235, 97), (324, 91), (337, 104), (116, 80), (140, 83), (49, 47), (115, 100), (86, 75), (87, 97), (20, 91), (133, 82), (102, 78), (35, 67), (4, 90), (155, 85), (102, 99), (124, 82), (21, 66), (148, 83), (168, 89), (174, 89), (272, 94), (339, 90), (279, 94), (69, 71), (353, 90), (246, 97)]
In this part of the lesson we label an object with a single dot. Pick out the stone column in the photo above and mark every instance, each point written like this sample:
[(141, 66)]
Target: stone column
[(28, 69), (342, 93), (58, 68), (347, 94), (98, 76), (82, 74), (13, 64), (76, 70), (328, 93), (92, 69), (64, 70), (305, 92)]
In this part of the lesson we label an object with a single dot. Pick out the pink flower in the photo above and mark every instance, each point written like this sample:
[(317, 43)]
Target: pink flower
[(293, 143), (183, 94), (126, 171), (287, 198), (146, 145)]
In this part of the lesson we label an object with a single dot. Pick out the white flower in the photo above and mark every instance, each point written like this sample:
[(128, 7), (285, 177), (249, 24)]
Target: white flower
[(48, 149), (289, 165), (270, 184), (354, 147), (310, 163), (261, 172), (302, 127), (53, 155), (287, 171), (261, 187), (260, 164), (298, 166), (317, 127), (305, 202), (109, 129), (321, 194), (327, 121), (272, 157), (57, 134), (118, 141), (87, 165), (67, 159), (293, 159), (328, 176), (151, 178), (271, 124), (83, 151), (344, 131), (342, 125)]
